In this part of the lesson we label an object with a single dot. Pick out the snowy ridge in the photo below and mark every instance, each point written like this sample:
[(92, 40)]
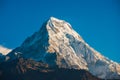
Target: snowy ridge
[(4, 50), (56, 43)]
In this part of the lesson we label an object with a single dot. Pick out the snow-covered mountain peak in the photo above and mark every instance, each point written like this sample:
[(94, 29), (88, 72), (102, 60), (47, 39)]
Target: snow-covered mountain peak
[(57, 23), (55, 19), (60, 27), (57, 44)]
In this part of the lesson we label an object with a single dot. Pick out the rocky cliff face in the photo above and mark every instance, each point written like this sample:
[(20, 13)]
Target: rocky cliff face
[(57, 44)]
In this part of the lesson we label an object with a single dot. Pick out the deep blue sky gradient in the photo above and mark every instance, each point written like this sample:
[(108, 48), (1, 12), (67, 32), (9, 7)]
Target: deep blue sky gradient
[(97, 21)]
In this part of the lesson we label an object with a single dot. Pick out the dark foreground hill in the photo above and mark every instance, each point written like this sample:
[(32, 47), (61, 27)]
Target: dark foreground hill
[(26, 69)]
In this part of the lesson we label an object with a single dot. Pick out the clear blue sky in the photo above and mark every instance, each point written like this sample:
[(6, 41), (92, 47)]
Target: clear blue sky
[(97, 21)]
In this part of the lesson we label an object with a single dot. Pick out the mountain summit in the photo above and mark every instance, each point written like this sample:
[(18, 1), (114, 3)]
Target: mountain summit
[(57, 44)]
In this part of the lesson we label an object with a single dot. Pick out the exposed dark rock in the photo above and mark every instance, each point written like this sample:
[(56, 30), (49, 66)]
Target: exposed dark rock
[(27, 69)]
